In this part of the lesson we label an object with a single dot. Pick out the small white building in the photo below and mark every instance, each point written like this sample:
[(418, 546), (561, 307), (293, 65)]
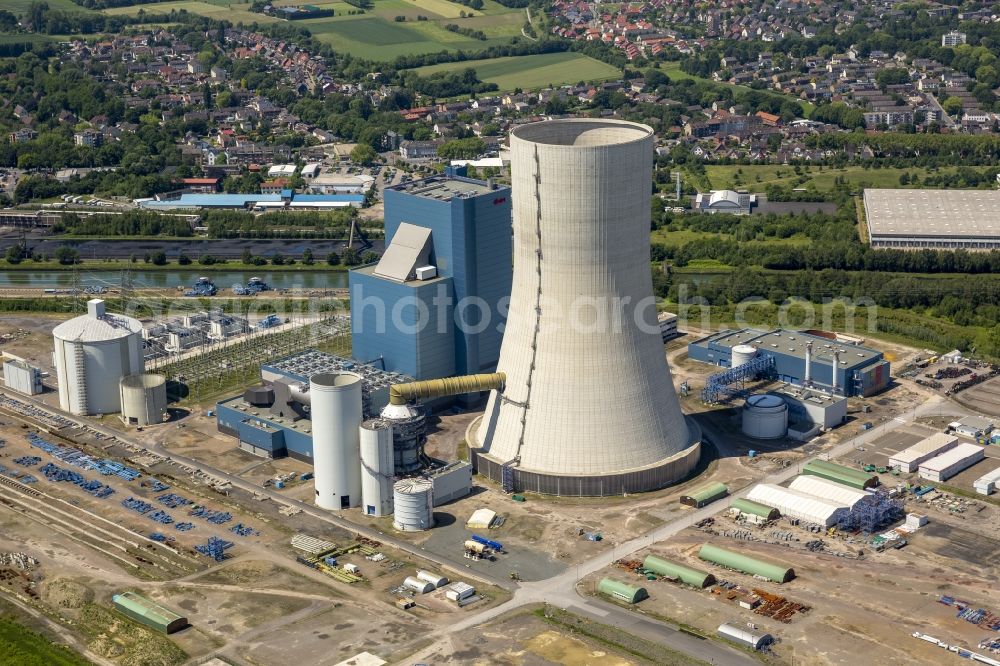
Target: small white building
[(281, 171), (310, 171), (459, 591), (973, 426), (20, 376), (951, 462), (339, 183), (725, 201), (987, 483), (745, 637)]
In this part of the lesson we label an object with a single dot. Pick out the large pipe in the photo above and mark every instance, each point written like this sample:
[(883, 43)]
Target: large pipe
[(809, 357), (400, 394), (836, 365)]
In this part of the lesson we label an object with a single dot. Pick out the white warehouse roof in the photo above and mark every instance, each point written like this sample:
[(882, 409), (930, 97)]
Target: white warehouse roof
[(924, 449), (951, 457), (945, 213), (797, 504), (828, 490)]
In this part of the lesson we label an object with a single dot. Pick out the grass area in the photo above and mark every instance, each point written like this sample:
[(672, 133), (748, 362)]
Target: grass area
[(21, 6), (759, 176), (533, 71), (111, 634), (22, 647), (23, 38), (219, 11), (674, 71), (684, 236)]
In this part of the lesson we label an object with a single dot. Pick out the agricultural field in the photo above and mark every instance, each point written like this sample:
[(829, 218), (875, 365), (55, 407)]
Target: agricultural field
[(758, 176), (21, 646), (215, 9), (26, 38), (533, 71), (21, 6)]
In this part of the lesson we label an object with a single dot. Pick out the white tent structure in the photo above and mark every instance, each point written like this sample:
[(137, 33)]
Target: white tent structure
[(798, 504), (828, 490)]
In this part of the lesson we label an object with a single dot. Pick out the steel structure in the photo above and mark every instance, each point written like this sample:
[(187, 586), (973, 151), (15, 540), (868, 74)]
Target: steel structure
[(732, 382)]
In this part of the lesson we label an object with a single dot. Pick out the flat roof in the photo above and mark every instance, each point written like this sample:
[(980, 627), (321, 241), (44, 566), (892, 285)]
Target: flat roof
[(444, 188), (936, 213), (793, 343), (949, 458)]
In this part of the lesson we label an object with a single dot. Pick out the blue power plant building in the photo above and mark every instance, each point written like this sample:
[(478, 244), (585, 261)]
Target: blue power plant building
[(859, 370), (432, 306)]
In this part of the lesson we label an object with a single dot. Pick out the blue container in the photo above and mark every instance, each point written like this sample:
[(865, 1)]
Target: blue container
[(752, 453), (279, 484)]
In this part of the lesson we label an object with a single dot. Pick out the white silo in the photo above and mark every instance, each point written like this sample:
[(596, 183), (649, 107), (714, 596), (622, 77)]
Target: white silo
[(92, 353), (414, 505), (589, 407), (743, 354), (143, 399), (765, 416), (335, 407), (377, 468)]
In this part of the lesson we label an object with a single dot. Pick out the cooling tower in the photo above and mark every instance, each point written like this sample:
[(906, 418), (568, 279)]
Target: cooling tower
[(588, 407)]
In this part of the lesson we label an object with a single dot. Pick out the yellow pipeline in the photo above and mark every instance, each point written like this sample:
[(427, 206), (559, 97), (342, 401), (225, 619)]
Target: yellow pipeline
[(400, 394)]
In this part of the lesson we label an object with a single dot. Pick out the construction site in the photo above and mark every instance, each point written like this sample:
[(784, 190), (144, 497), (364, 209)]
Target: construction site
[(258, 492)]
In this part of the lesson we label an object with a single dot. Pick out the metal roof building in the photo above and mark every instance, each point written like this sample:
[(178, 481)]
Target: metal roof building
[(622, 591), (908, 460), (986, 484), (744, 637), (951, 462), (855, 478), (749, 565), (828, 490), (705, 495), (936, 219), (798, 504), (149, 613), (685, 574), (752, 511)]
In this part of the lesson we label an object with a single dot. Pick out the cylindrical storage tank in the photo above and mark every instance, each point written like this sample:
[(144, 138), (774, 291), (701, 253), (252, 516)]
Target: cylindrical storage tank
[(376, 468), (413, 502), (336, 419), (432, 578), (409, 428), (743, 354), (92, 353), (417, 585), (765, 416), (475, 546), (144, 399), (582, 324)]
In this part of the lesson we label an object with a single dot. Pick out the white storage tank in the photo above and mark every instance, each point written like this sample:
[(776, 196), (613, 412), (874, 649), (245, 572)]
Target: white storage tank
[(92, 353), (413, 500), (743, 354), (765, 416), (417, 585), (143, 398), (335, 406), (377, 467), (432, 578)]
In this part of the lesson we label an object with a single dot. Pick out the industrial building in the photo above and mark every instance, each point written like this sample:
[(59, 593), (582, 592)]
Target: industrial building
[(630, 594), (143, 398), (748, 565), (975, 427), (285, 200), (272, 420), (908, 460), (987, 483), (800, 358), (705, 495), (828, 490), (745, 637), (21, 376), (148, 613), (573, 390), (847, 476), (933, 219), (798, 504), (680, 572), (808, 405), (431, 306), (92, 353), (668, 325), (946, 465), (725, 201), (752, 512), (179, 334), (337, 183)]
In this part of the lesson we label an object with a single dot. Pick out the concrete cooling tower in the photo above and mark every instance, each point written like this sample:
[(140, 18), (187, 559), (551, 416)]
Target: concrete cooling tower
[(588, 407)]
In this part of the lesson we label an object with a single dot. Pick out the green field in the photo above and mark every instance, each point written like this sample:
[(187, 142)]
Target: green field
[(24, 38), (684, 236), (533, 71), (758, 176), (21, 6), (23, 647), (236, 12)]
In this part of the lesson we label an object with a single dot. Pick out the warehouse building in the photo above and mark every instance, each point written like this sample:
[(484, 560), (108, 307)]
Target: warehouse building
[(855, 478), (149, 613), (752, 512), (680, 572), (908, 460), (987, 483), (975, 427), (934, 219), (285, 200), (748, 565), (798, 504), (744, 637), (725, 201), (951, 462), (859, 370), (806, 405), (705, 495), (830, 491), (630, 594)]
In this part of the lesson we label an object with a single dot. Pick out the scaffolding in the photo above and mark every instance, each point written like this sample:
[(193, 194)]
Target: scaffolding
[(732, 382), (214, 548), (873, 513)]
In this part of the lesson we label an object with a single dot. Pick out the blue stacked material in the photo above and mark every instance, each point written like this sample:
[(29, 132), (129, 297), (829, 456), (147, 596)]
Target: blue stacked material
[(220, 517), (240, 529), (214, 517), (27, 461), (161, 517), (214, 548), (184, 527), (156, 486), (54, 473), (495, 545), (137, 505), (106, 491), (203, 287), (27, 478), (13, 473), (158, 536), (173, 501)]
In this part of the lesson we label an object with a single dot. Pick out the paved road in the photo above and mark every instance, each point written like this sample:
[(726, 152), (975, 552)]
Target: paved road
[(194, 248)]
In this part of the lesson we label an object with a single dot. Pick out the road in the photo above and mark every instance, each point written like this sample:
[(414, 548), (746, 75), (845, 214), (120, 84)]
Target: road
[(222, 248)]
